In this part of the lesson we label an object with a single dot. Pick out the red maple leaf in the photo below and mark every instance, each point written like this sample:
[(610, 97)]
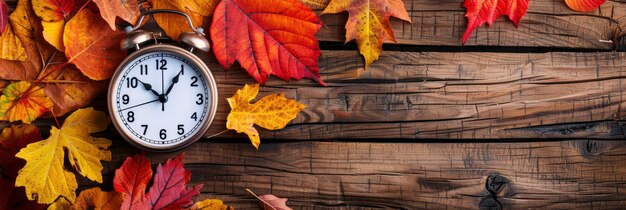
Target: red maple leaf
[(481, 11), (168, 190), (273, 37)]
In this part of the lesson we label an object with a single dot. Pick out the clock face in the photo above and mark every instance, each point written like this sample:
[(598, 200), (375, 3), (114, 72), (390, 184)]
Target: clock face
[(161, 99)]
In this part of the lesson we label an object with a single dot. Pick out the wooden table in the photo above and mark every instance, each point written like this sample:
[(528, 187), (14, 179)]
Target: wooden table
[(516, 118)]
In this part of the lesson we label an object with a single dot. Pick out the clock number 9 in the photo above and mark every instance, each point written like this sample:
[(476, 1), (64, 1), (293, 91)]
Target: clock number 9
[(125, 99)]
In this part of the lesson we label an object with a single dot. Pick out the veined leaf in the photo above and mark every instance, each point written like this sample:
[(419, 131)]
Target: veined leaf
[(22, 101), (481, 11)]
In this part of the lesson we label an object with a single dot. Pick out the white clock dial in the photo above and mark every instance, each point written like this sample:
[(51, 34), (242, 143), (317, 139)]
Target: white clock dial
[(161, 99)]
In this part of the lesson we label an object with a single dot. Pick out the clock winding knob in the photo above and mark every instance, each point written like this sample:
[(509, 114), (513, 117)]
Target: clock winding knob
[(134, 38), (195, 40)]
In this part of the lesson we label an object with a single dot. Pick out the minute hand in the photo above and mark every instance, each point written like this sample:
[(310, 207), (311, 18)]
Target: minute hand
[(174, 81)]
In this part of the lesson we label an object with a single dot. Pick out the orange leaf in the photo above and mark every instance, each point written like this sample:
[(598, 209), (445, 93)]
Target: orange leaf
[(4, 15), (174, 25), (481, 11), (94, 49), (21, 102), (584, 5), (273, 37), (369, 23), (53, 10), (127, 10), (210, 204), (94, 198)]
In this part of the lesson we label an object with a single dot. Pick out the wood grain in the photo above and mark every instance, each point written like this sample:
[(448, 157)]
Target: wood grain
[(578, 174), (450, 96), (548, 23)]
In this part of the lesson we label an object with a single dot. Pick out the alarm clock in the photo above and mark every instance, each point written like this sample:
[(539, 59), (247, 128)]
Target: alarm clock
[(162, 97)]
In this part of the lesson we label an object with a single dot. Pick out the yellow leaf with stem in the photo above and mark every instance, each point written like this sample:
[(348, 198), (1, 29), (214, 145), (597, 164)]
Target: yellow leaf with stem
[(270, 112), (44, 177)]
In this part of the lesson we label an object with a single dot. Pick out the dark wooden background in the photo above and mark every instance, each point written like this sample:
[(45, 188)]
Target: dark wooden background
[(518, 118)]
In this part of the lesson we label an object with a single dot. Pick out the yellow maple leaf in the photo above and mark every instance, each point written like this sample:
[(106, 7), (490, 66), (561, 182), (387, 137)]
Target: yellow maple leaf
[(210, 204), (270, 112), (368, 23), (44, 177), (21, 102)]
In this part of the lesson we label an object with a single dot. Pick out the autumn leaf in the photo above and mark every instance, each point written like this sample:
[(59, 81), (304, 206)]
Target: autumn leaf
[(127, 10), (368, 23), (481, 11), (584, 5), (210, 204), (20, 101), (94, 49), (273, 37), (270, 112), (271, 202), (28, 30), (53, 10), (94, 198), (13, 139), (44, 176), (4, 15), (173, 25), (70, 90), (53, 33), (15, 197), (168, 190), (315, 4)]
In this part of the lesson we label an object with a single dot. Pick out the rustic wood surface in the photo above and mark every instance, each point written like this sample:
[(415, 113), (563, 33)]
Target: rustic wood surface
[(408, 95), (436, 130), (361, 175)]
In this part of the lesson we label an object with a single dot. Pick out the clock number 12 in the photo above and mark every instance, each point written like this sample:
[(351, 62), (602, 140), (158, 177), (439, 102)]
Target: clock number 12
[(160, 64)]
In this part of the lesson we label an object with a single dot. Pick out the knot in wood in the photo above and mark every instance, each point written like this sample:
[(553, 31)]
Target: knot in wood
[(489, 203), (495, 183), (620, 44)]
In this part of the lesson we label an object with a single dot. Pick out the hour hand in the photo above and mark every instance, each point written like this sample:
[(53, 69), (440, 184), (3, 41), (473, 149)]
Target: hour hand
[(174, 81), (149, 88)]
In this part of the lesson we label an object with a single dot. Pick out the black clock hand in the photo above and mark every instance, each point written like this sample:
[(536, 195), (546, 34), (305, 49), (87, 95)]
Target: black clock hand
[(174, 81), (141, 104), (149, 87)]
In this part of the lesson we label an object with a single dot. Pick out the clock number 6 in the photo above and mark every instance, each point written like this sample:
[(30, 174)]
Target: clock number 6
[(163, 134)]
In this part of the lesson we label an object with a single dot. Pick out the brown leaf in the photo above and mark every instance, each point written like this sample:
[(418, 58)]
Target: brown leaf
[(28, 29), (127, 10), (94, 49), (271, 202), (70, 90)]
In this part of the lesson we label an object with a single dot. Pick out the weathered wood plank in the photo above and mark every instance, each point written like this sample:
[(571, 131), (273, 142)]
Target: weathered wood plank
[(451, 96), (317, 175), (548, 23)]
